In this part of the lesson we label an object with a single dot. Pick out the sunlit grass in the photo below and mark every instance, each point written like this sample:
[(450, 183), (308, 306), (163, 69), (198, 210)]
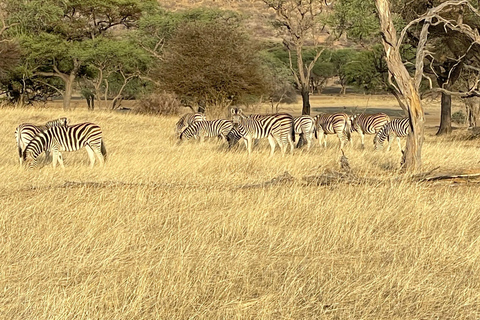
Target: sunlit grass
[(172, 231)]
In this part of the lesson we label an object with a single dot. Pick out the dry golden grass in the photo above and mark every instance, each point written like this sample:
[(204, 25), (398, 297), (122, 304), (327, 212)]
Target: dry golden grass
[(167, 232)]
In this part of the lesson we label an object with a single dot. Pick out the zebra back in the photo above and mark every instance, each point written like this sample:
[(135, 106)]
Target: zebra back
[(187, 120), (260, 126), (334, 123), (208, 128), (57, 122), (369, 123), (304, 124)]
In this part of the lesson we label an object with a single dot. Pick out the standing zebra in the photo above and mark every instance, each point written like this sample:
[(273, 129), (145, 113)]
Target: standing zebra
[(336, 123), (203, 129), (305, 126), (71, 138), (278, 128), (368, 124), (188, 119), (25, 132), (397, 127)]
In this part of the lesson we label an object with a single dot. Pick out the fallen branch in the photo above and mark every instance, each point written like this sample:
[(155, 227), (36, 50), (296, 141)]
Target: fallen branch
[(282, 179)]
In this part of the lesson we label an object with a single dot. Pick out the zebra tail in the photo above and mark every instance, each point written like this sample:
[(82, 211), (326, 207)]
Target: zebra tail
[(348, 129), (104, 151), (292, 131)]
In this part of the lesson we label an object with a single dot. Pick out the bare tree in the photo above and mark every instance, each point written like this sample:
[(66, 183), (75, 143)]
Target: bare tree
[(300, 19)]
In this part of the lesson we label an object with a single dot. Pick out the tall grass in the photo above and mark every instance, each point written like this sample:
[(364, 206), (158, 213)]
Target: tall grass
[(169, 231)]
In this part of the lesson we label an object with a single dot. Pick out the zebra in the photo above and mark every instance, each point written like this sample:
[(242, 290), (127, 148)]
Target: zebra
[(237, 133), (188, 119), (398, 127), (25, 132), (368, 124), (305, 126), (67, 138), (335, 123), (212, 128), (278, 128)]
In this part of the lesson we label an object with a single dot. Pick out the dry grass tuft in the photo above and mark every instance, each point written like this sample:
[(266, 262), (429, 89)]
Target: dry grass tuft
[(170, 232)]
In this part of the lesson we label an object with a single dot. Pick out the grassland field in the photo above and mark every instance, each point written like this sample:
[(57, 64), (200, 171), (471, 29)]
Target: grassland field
[(188, 231)]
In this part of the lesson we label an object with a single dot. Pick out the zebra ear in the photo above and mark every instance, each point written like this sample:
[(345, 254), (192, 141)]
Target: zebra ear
[(233, 111)]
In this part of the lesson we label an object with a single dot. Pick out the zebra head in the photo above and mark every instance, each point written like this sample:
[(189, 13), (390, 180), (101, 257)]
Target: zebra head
[(29, 159), (237, 115), (189, 132)]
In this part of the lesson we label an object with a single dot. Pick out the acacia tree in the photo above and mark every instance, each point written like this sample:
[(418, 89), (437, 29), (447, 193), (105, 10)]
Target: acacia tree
[(300, 20), (111, 61), (51, 34)]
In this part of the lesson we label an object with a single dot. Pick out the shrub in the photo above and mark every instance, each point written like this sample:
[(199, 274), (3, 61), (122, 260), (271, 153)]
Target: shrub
[(159, 104), (459, 117)]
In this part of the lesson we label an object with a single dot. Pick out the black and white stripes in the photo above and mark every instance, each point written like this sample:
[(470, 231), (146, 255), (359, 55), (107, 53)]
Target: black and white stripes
[(336, 123), (67, 138), (278, 128), (203, 129), (188, 119), (368, 124), (25, 133), (396, 127)]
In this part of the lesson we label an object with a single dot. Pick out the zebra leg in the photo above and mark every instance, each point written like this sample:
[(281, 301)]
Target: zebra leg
[(60, 160), (322, 138), (91, 155), (248, 144), (290, 141), (272, 142), (283, 144), (309, 137), (100, 154), (389, 141), (399, 144), (362, 137), (341, 139)]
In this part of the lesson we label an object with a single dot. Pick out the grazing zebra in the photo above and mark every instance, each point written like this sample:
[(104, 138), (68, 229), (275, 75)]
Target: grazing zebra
[(67, 138), (397, 127), (188, 119), (211, 128), (305, 126), (368, 124), (336, 123), (25, 132), (278, 128), (237, 133)]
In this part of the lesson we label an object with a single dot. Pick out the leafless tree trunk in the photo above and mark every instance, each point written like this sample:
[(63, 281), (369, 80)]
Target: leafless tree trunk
[(407, 86)]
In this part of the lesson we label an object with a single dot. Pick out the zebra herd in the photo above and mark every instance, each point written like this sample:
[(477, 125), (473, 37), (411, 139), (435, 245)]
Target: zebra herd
[(282, 128), (57, 136)]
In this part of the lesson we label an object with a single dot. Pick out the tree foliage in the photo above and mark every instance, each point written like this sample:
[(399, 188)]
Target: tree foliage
[(210, 64)]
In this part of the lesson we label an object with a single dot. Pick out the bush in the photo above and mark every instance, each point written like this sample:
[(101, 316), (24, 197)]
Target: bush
[(459, 117), (160, 104)]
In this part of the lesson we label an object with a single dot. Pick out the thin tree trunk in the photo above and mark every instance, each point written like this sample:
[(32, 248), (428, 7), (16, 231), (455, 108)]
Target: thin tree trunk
[(67, 95), (305, 101), (445, 115)]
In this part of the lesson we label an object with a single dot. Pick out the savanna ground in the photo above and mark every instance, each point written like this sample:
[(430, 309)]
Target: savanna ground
[(171, 232)]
